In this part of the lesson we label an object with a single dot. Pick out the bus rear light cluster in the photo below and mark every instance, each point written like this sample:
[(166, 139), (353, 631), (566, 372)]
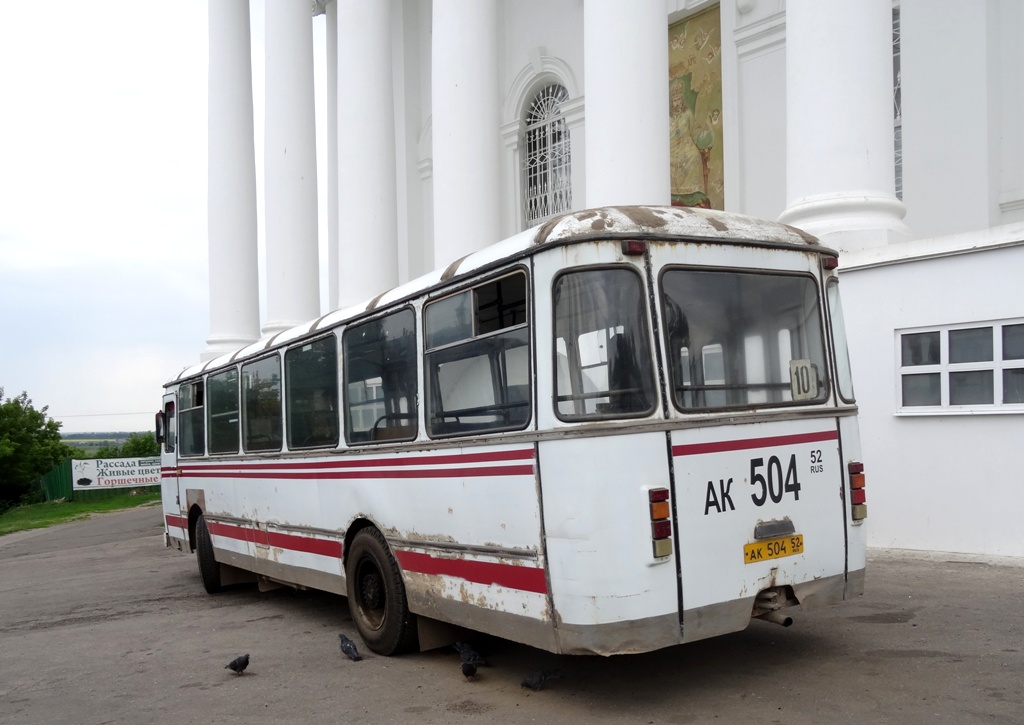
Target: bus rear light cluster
[(858, 497), (661, 522)]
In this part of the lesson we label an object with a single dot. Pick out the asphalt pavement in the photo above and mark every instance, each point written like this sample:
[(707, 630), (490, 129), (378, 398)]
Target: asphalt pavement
[(99, 623)]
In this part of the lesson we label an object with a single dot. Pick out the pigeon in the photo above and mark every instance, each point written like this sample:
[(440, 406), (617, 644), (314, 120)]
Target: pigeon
[(349, 648), (469, 671), (238, 664), (470, 655), (536, 681)]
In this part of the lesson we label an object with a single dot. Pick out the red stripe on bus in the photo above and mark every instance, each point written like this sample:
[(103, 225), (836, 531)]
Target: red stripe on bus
[(292, 542), (524, 578), (233, 472), (745, 444), (180, 521), (307, 544), (518, 455)]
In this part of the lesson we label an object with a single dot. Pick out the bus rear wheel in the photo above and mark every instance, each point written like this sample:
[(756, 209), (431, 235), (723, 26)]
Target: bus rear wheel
[(209, 569), (376, 595)]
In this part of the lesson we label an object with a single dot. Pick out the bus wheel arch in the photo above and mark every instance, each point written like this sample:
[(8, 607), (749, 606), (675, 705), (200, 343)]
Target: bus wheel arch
[(376, 593), (194, 513), (209, 569)]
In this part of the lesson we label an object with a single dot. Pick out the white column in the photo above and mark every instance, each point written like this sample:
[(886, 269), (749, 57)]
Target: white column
[(840, 179), (625, 59), (231, 192), (368, 239), (331, 10), (466, 120), (293, 283)]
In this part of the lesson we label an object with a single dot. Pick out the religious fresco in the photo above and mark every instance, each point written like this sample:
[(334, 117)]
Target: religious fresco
[(695, 110)]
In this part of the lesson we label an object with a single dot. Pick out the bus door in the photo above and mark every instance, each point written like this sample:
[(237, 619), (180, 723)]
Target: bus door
[(175, 522), (759, 485)]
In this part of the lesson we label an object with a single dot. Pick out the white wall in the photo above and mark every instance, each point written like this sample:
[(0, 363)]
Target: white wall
[(949, 482)]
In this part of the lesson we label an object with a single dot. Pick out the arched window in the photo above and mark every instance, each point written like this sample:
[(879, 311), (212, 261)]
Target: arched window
[(547, 171)]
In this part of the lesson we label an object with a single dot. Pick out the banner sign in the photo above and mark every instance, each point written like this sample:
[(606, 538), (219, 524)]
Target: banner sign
[(115, 473)]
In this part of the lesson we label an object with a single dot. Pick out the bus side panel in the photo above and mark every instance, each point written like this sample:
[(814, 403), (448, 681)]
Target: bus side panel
[(856, 532), (463, 524), (762, 485), (610, 593)]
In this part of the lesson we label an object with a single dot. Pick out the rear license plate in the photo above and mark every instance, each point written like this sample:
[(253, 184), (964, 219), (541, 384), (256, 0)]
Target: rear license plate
[(773, 548)]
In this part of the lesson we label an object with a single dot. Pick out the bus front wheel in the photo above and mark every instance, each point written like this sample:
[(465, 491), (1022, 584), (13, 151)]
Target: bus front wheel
[(376, 595), (209, 569)]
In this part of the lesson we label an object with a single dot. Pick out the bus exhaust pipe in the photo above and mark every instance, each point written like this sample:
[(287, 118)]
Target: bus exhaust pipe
[(776, 617)]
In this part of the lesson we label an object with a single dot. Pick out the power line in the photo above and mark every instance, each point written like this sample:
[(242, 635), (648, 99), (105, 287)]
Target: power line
[(98, 415)]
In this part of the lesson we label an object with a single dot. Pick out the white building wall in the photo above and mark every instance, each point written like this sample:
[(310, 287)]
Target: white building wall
[(947, 111), (754, 108), (1009, 79), (935, 482)]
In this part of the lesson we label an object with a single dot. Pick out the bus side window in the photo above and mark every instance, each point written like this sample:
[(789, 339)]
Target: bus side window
[(222, 429), (311, 385), (380, 379), (170, 425), (192, 401), (261, 405), (478, 359)]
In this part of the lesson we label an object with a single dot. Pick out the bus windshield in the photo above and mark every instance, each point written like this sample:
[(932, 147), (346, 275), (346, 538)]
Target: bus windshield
[(742, 339)]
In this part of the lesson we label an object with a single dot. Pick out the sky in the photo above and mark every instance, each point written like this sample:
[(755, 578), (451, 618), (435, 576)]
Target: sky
[(103, 237)]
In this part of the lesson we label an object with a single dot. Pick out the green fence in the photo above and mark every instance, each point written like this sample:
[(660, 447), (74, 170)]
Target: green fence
[(57, 483)]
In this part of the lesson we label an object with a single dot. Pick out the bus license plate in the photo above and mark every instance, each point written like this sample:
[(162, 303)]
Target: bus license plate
[(773, 548)]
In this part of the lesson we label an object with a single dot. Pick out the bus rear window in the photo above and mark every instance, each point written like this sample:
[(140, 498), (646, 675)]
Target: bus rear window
[(602, 350), (742, 339)]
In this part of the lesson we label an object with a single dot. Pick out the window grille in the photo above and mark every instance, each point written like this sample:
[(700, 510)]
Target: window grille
[(547, 171)]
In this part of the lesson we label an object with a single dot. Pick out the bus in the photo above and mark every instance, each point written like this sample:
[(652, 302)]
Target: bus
[(625, 429)]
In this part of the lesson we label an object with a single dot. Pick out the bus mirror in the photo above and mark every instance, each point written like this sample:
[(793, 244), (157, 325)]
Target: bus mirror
[(161, 427)]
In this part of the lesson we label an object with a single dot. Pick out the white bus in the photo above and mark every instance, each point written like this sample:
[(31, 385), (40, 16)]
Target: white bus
[(629, 428)]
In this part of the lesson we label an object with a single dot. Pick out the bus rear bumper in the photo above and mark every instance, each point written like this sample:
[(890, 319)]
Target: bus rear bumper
[(733, 616)]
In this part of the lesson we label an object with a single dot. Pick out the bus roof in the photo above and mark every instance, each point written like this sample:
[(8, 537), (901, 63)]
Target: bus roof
[(610, 222)]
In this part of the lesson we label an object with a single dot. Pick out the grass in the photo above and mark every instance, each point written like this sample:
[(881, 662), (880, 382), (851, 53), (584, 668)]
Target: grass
[(41, 515)]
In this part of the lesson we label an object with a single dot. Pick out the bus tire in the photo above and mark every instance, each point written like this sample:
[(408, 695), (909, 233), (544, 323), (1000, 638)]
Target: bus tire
[(376, 595), (209, 569)]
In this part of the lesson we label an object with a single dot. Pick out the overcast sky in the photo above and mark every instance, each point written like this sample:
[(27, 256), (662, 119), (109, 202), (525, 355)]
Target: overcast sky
[(103, 257)]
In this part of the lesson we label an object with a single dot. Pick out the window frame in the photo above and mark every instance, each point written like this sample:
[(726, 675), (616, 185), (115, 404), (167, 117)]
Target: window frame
[(445, 353), (188, 415), (825, 381), (244, 403), (386, 434), (655, 404), (545, 155), (291, 397), (997, 365), (210, 415)]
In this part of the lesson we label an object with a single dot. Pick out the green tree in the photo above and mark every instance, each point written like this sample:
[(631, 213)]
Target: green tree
[(30, 445), (113, 451), (140, 445)]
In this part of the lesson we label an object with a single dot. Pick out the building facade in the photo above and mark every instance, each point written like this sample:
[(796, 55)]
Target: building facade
[(890, 130)]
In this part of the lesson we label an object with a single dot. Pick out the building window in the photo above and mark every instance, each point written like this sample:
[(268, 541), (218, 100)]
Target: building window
[(897, 102), (963, 368), (547, 169)]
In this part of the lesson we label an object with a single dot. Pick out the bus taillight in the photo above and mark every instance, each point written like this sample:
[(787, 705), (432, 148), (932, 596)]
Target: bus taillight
[(858, 497), (661, 522)]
